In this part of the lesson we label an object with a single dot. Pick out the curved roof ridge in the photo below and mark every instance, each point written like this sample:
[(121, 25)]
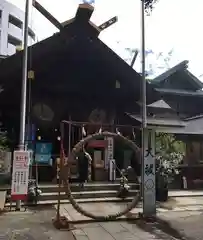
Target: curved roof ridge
[(163, 76)]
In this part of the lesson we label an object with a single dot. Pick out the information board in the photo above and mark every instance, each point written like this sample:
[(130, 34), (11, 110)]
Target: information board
[(43, 152), (20, 175)]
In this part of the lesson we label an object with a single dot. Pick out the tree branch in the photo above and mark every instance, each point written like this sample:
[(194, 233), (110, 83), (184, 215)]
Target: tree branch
[(149, 4)]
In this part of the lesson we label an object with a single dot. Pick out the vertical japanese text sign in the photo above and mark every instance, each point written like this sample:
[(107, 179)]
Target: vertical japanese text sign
[(149, 187), (20, 175)]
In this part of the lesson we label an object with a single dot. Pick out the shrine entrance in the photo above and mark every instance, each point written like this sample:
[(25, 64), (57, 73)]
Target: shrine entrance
[(105, 167)]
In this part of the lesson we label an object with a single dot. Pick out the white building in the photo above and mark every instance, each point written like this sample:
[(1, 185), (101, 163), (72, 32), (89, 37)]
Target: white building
[(11, 28)]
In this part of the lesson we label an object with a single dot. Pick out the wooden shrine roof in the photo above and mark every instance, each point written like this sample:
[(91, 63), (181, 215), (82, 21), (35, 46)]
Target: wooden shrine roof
[(178, 77), (188, 126), (180, 92), (75, 61), (159, 121)]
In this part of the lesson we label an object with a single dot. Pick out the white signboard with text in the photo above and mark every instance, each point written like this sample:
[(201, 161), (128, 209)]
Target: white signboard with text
[(20, 175), (109, 151), (112, 170)]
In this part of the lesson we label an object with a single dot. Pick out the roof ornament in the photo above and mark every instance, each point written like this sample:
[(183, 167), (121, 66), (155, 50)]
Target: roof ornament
[(89, 1)]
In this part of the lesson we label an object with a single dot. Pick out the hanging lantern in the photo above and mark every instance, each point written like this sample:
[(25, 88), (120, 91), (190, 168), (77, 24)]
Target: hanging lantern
[(19, 48), (31, 74)]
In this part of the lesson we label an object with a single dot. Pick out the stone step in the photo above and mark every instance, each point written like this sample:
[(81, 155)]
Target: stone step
[(47, 188), (87, 200), (84, 194), (87, 187)]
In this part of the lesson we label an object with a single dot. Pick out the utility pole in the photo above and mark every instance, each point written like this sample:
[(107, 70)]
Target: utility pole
[(143, 93), (143, 89), (148, 139), (24, 87)]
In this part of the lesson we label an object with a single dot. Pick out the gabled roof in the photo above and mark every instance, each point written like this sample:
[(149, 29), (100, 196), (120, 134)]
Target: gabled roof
[(159, 122), (180, 92), (179, 68), (77, 44), (159, 104)]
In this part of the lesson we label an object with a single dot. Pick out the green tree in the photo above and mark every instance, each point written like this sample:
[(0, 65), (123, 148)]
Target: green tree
[(3, 141), (170, 152), (167, 143)]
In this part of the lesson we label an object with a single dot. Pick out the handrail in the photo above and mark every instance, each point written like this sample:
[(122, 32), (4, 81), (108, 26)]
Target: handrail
[(121, 173)]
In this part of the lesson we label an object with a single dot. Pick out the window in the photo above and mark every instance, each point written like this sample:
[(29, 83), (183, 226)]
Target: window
[(31, 33), (15, 21), (14, 41)]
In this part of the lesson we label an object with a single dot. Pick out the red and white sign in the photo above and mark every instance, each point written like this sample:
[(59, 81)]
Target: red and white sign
[(20, 175), (98, 144)]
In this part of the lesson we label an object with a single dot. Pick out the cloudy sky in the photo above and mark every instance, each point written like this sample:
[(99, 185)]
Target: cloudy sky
[(173, 26)]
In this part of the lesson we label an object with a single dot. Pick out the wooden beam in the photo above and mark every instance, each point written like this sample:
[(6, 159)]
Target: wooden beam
[(84, 12), (47, 14), (108, 23)]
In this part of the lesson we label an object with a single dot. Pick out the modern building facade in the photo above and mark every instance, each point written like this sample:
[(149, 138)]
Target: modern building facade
[(11, 28)]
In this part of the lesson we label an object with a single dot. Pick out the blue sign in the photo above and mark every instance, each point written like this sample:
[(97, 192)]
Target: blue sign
[(42, 158), (43, 148), (43, 152)]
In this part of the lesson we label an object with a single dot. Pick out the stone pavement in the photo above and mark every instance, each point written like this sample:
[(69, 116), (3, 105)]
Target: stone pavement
[(179, 218), (185, 217), (186, 223), (118, 231), (31, 225), (99, 209)]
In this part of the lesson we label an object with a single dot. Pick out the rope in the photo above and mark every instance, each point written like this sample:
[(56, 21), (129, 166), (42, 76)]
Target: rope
[(65, 177)]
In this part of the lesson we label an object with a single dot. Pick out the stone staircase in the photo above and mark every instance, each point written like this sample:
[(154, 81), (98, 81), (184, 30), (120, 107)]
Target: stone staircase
[(91, 192)]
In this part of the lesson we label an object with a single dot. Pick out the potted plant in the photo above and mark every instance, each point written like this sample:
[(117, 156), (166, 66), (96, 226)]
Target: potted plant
[(161, 183), (166, 172), (169, 154)]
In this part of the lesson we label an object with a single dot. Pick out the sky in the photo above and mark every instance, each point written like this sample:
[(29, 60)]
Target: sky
[(172, 29)]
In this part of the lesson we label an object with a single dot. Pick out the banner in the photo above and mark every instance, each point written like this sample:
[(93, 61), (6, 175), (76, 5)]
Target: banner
[(109, 151), (20, 175), (112, 170)]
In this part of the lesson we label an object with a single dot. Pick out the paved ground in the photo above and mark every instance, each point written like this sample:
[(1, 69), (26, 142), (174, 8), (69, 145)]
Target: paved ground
[(185, 217), (119, 231), (100, 209), (181, 220), (37, 225), (185, 193), (188, 224), (31, 225)]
